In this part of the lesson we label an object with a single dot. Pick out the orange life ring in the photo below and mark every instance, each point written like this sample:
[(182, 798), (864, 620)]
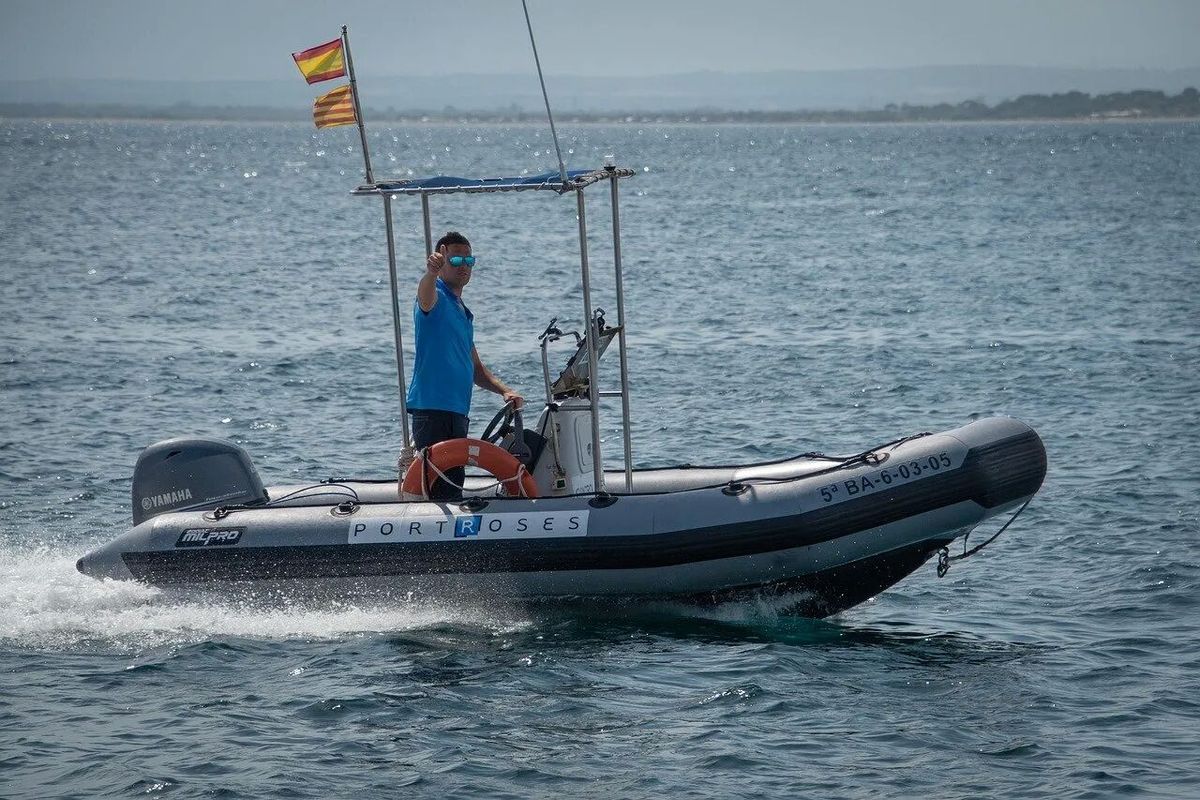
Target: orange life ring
[(451, 453)]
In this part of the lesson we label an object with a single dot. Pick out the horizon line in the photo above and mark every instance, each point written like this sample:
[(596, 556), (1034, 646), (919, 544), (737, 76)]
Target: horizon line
[(443, 76)]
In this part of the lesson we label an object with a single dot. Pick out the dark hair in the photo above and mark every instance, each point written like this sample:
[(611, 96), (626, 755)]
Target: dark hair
[(452, 237)]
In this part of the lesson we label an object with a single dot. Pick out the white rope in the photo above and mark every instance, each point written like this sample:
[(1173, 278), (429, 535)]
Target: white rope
[(521, 471), (405, 460), (498, 483)]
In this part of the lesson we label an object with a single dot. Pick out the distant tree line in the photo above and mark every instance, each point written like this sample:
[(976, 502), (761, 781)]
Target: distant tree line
[(1139, 104), (1070, 105)]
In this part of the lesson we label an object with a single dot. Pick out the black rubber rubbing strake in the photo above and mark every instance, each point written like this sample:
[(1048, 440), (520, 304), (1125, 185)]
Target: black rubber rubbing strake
[(1008, 469)]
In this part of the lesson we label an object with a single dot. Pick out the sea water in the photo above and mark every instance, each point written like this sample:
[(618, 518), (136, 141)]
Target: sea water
[(788, 289)]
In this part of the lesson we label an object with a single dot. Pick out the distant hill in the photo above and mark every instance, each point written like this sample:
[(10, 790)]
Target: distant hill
[(852, 90)]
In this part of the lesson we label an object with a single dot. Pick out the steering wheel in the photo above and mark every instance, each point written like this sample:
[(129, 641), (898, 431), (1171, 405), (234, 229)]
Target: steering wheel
[(501, 423), (508, 419)]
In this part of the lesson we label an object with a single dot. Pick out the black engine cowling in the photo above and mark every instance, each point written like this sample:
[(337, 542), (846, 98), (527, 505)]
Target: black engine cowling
[(188, 473)]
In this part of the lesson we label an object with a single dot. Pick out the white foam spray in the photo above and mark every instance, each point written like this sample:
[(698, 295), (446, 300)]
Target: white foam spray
[(46, 604)]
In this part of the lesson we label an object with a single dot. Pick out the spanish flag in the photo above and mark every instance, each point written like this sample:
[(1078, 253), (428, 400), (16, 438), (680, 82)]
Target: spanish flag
[(334, 108), (321, 63)]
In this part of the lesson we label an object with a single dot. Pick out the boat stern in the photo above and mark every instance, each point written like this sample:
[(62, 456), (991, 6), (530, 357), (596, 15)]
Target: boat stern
[(106, 562)]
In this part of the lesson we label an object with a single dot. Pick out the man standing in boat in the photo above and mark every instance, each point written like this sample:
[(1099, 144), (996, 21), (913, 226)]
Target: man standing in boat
[(447, 364)]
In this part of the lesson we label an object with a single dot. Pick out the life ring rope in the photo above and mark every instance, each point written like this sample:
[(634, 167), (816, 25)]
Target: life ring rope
[(515, 477), (510, 473)]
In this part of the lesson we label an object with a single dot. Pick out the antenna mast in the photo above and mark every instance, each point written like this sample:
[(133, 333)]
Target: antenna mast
[(562, 169)]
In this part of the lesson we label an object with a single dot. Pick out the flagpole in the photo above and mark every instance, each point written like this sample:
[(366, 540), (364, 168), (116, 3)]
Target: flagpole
[(358, 115), (406, 454)]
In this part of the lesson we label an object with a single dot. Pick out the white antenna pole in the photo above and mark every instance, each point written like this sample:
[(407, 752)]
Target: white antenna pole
[(562, 170)]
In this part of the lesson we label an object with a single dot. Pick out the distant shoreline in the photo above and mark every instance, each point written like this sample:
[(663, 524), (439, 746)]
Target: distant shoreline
[(473, 120), (1139, 105)]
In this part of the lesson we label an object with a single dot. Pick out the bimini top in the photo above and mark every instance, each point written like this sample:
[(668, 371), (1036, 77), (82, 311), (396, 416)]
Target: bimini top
[(445, 184)]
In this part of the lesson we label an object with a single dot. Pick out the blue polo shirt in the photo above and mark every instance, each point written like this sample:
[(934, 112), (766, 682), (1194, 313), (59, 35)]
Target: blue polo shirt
[(443, 372)]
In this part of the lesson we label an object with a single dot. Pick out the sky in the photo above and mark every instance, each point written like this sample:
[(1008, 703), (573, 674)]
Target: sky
[(251, 39)]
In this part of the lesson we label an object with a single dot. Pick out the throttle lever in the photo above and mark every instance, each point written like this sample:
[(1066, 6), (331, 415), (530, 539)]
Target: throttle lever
[(552, 333)]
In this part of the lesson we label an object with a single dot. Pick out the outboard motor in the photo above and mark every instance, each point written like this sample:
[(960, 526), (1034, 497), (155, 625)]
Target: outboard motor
[(188, 473)]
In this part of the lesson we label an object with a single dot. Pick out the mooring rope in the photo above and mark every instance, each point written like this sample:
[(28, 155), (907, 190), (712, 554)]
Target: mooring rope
[(944, 557)]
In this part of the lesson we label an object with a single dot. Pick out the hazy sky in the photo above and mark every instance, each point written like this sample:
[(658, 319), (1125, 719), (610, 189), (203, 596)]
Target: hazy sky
[(251, 39)]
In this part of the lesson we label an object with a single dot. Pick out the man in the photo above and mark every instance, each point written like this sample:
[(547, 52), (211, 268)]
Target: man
[(447, 363)]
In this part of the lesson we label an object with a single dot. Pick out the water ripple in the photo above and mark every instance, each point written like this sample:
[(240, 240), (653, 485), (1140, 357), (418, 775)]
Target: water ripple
[(840, 286)]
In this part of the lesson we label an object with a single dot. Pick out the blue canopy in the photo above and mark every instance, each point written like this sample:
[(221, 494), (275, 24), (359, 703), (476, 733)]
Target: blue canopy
[(446, 184)]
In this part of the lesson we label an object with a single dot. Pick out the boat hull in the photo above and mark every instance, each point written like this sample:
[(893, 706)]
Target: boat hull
[(833, 534)]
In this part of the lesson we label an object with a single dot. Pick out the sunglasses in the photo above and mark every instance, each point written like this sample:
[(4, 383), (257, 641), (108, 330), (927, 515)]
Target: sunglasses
[(459, 261)]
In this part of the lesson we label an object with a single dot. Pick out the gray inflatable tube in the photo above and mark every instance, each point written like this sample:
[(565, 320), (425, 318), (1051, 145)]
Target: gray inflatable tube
[(833, 531)]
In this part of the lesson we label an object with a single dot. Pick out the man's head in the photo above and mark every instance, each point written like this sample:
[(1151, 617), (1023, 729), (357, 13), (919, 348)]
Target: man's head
[(454, 246)]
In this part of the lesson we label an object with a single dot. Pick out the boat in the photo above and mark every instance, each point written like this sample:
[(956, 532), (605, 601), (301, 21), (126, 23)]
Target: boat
[(830, 532), (545, 519)]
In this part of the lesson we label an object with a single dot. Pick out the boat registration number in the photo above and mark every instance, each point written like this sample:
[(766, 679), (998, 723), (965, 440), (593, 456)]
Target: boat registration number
[(892, 474)]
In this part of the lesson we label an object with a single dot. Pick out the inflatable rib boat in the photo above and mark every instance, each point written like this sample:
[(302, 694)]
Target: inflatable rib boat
[(555, 523), (835, 532)]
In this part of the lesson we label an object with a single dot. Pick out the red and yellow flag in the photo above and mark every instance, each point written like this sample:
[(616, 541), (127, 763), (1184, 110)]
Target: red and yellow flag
[(334, 108), (321, 63)]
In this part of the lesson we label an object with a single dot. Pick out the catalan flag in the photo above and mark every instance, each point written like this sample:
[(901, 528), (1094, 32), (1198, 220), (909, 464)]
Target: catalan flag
[(321, 63), (334, 108)]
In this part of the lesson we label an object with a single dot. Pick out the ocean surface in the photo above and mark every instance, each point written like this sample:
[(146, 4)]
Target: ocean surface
[(788, 289)]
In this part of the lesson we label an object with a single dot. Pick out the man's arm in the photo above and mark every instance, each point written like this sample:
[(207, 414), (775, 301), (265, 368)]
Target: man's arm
[(427, 288), (484, 379)]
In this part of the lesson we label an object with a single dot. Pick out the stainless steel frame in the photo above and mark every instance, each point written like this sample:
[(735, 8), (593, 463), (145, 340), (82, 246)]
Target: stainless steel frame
[(616, 223), (406, 453), (590, 341), (575, 182)]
